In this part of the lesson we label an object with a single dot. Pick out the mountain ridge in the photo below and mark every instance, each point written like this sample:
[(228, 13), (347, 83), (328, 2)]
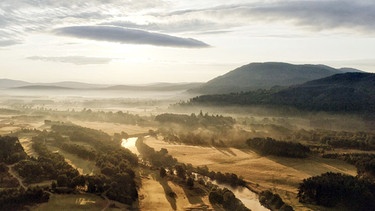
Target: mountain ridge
[(267, 75), (346, 92)]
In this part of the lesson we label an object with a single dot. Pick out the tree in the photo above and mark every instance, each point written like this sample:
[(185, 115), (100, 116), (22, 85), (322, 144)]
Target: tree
[(190, 182), (181, 172), (62, 180), (163, 172)]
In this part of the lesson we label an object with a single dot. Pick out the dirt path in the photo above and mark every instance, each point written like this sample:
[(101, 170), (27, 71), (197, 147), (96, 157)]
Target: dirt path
[(15, 175), (108, 202)]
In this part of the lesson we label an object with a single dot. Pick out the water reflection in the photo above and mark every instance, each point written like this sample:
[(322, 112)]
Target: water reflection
[(130, 144)]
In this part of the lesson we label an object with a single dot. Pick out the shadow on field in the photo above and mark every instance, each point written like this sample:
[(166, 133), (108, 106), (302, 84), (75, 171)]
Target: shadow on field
[(169, 194), (226, 151)]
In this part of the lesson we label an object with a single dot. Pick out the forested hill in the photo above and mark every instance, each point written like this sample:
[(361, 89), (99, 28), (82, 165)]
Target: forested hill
[(352, 92), (266, 75)]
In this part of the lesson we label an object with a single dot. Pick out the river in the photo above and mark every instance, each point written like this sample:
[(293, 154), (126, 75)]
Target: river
[(247, 197), (130, 144)]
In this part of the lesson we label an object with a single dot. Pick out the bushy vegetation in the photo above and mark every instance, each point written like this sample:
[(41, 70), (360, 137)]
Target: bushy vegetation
[(6, 179), (79, 150), (226, 178), (337, 139), (117, 178), (269, 146), (48, 165), (364, 162), (12, 198), (11, 151), (226, 199), (193, 120), (333, 189), (15, 199), (156, 158), (273, 201), (101, 116), (349, 92)]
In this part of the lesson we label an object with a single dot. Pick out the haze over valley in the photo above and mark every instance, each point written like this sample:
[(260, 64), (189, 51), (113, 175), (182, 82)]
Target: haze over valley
[(187, 105)]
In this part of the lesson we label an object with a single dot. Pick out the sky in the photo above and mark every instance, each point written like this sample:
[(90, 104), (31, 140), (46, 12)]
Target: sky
[(144, 41)]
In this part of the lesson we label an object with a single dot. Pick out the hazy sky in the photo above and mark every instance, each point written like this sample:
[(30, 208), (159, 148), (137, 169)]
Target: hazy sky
[(144, 41)]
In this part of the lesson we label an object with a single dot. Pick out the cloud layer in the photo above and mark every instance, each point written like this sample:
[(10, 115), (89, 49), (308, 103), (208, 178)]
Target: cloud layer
[(169, 21), (126, 35), (77, 60)]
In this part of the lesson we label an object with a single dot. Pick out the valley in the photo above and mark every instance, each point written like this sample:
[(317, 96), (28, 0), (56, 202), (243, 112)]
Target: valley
[(177, 153)]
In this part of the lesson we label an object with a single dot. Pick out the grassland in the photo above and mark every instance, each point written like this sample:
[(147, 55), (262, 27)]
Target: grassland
[(154, 193), (282, 175), (78, 202), (83, 166), (112, 128)]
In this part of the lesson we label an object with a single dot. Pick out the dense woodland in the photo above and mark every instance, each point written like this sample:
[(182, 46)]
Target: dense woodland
[(349, 92), (335, 189), (12, 196), (11, 150), (336, 139), (117, 178), (273, 201), (226, 199), (193, 120), (364, 162), (269, 146)]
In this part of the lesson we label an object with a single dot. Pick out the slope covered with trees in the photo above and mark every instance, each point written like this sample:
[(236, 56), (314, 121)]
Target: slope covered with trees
[(348, 92), (333, 189)]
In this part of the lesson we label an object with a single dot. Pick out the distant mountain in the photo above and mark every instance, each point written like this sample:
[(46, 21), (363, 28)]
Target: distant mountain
[(353, 92), (76, 85), (14, 84), (265, 76), (156, 87), (42, 87), (8, 83)]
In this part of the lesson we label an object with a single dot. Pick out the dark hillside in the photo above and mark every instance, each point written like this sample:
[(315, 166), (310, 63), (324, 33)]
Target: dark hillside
[(348, 92)]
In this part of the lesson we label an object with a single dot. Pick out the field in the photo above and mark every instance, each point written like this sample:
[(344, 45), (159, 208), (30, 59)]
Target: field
[(77, 202), (83, 166), (282, 175), (154, 193), (278, 174), (112, 128)]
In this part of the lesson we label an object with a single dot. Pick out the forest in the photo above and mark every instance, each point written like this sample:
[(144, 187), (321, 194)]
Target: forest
[(269, 146), (333, 189)]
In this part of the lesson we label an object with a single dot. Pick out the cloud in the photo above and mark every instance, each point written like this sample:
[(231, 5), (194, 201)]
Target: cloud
[(318, 15), (20, 18), (77, 60), (126, 35), (4, 43), (173, 26)]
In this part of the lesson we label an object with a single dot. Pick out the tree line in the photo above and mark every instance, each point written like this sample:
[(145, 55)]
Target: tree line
[(193, 120), (337, 139), (269, 146), (333, 189), (364, 162)]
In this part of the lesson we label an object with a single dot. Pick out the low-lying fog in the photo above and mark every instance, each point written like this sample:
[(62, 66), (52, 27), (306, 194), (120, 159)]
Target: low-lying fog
[(104, 94)]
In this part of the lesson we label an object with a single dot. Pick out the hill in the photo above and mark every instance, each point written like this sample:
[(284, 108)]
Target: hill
[(8, 83), (267, 75), (342, 92), (156, 87), (15, 84), (42, 87), (352, 92)]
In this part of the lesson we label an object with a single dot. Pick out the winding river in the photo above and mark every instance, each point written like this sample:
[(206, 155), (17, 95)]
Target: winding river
[(248, 198)]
